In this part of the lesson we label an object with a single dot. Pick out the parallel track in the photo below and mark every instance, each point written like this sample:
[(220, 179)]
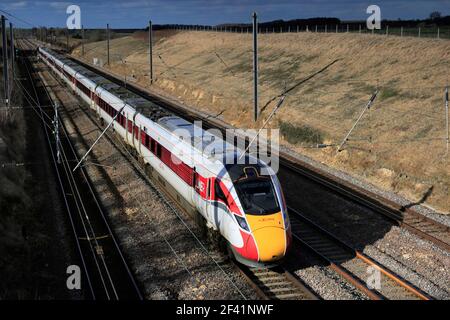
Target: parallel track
[(404, 217), (351, 264), (105, 270)]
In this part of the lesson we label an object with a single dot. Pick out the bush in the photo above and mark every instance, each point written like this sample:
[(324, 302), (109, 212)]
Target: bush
[(298, 134), (388, 93)]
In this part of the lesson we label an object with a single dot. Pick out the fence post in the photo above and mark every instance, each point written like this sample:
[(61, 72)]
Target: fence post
[(316, 27), (326, 28), (359, 28), (387, 30), (297, 28), (348, 28), (419, 32), (438, 35), (401, 31), (307, 28)]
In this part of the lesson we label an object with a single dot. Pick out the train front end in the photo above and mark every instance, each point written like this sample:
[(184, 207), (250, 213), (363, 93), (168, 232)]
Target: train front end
[(264, 221)]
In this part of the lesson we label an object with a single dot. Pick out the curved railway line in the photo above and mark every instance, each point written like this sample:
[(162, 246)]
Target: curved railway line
[(105, 269), (351, 264)]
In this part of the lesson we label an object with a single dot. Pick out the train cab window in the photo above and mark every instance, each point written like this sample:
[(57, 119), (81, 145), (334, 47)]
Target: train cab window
[(218, 192), (255, 190), (257, 196)]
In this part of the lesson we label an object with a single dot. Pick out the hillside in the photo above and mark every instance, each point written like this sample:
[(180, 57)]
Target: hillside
[(399, 145)]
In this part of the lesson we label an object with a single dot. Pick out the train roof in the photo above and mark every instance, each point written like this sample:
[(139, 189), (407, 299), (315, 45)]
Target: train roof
[(199, 139), (143, 106)]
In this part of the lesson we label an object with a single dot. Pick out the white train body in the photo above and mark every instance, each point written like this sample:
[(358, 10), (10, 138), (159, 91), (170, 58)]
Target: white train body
[(205, 182)]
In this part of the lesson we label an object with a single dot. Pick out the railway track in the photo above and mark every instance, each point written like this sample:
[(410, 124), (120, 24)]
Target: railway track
[(353, 265), (402, 216), (106, 274), (277, 284)]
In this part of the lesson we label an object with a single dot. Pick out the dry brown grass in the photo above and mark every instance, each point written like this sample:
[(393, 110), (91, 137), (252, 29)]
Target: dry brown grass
[(398, 145)]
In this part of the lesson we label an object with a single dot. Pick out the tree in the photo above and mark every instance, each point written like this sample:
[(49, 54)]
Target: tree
[(435, 15)]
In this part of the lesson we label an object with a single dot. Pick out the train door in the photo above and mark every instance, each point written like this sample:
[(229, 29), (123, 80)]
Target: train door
[(96, 100), (93, 102), (140, 140), (201, 194), (218, 210), (127, 126)]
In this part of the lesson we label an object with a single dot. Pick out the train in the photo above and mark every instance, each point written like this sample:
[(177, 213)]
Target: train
[(241, 201)]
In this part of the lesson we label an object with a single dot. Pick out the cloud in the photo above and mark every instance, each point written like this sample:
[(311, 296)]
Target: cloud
[(59, 5), (18, 4)]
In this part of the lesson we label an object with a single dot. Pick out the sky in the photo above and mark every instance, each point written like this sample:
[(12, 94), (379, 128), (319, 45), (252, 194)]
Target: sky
[(136, 13)]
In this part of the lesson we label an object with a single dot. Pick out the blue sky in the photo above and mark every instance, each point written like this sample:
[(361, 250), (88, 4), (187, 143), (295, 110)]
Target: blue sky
[(136, 13)]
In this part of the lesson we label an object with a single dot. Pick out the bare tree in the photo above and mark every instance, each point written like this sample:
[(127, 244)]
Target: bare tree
[(435, 15)]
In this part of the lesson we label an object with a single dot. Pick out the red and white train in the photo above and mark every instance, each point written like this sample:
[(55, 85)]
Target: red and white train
[(243, 202)]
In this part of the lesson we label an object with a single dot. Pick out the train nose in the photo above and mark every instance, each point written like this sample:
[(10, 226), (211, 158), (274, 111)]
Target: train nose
[(271, 243)]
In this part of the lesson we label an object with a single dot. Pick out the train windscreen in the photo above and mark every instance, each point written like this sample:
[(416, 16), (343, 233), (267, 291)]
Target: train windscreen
[(255, 191)]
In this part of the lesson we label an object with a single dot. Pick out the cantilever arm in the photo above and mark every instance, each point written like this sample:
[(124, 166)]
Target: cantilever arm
[(95, 142)]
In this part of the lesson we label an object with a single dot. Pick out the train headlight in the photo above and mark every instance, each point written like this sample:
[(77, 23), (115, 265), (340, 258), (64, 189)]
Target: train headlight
[(242, 223)]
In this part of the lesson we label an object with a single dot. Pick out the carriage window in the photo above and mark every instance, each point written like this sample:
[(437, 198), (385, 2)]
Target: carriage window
[(152, 146), (158, 150)]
